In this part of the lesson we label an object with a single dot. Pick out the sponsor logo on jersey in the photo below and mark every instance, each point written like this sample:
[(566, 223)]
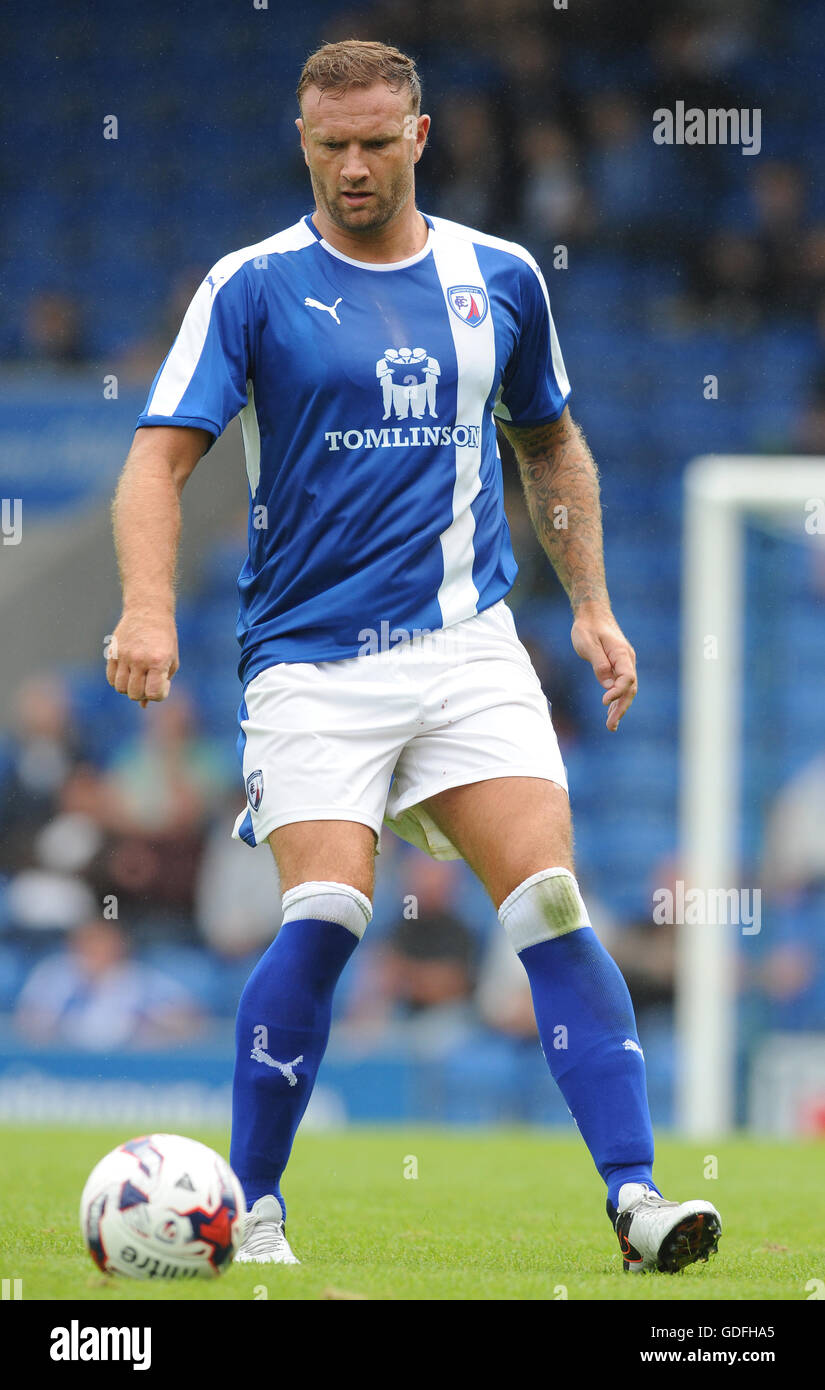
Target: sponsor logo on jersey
[(408, 382), (425, 436), (408, 378), (469, 303)]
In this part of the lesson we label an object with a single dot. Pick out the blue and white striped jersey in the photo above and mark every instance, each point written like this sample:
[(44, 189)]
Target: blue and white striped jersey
[(366, 395)]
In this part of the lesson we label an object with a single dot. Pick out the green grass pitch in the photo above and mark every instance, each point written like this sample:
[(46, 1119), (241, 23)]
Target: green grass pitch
[(513, 1214)]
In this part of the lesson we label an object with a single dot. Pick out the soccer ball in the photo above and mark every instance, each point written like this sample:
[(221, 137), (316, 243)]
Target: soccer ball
[(162, 1207)]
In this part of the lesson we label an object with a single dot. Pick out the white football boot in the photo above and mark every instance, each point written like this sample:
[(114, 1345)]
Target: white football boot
[(264, 1239), (656, 1234)]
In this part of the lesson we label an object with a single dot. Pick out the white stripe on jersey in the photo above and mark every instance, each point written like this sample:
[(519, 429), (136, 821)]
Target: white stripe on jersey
[(456, 263), (188, 346), (555, 350), (251, 432), (500, 244)]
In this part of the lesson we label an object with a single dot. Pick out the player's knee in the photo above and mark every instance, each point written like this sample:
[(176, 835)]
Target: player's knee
[(545, 905), (336, 852), (324, 901)]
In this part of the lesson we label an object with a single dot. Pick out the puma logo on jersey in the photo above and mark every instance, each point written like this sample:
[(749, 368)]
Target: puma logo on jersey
[(327, 308), (630, 1046), (285, 1068)]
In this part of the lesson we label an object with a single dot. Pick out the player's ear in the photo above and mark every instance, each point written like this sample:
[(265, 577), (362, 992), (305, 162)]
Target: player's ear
[(421, 137), (300, 125)]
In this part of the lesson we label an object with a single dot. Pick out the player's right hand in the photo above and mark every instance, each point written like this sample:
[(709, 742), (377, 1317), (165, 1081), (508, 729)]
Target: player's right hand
[(142, 656), (597, 638)]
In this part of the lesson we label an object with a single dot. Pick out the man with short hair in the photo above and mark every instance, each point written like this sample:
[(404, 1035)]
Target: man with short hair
[(369, 351)]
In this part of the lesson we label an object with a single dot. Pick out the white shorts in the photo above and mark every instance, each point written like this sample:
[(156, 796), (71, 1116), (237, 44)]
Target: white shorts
[(322, 740)]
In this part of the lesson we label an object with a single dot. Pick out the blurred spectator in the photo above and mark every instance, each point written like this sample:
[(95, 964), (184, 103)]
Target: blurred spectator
[(142, 357), (41, 752), (238, 892), (693, 53), (93, 995), (730, 278), (622, 171), (43, 900), (554, 202), (470, 168), (154, 804), (779, 201), (421, 977), (812, 262), (784, 970), (52, 333), (565, 707), (793, 858), (169, 779), (504, 1001), (537, 88), (535, 136), (645, 954), (809, 429), (429, 963)]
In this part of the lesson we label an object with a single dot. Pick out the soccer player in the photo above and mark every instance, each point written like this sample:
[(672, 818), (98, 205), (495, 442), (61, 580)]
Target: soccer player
[(370, 350)]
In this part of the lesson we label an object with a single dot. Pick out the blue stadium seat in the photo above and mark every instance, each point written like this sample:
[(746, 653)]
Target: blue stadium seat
[(14, 967), (193, 968)]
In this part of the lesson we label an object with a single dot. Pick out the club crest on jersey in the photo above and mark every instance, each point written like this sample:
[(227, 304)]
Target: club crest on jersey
[(469, 303), (255, 788)]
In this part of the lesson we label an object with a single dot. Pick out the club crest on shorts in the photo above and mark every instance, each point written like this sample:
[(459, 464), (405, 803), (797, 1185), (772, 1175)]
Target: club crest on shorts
[(469, 303), (255, 788)]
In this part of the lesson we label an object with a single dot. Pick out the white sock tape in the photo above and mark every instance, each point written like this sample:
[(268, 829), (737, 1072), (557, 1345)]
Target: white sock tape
[(328, 902), (546, 905)]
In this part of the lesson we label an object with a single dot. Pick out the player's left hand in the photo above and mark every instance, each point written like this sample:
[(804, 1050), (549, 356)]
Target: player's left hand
[(597, 638)]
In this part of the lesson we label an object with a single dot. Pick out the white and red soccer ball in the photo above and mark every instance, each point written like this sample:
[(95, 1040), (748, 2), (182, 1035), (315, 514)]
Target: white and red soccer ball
[(162, 1207)]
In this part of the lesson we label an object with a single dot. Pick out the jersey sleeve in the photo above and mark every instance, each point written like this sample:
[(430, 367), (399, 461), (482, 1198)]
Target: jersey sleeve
[(534, 388), (203, 381)]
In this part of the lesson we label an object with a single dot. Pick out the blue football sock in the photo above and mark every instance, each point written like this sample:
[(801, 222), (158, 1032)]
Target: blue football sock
[(281, 1035), (588, 1034)]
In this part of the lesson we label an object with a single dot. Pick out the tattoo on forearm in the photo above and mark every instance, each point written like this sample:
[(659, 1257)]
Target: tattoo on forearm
[(561, 488)]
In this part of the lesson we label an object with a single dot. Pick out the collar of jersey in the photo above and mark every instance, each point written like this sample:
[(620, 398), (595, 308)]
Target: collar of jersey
[(374, 265)]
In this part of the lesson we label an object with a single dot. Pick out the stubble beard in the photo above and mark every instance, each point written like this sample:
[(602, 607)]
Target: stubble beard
[(383, 209)]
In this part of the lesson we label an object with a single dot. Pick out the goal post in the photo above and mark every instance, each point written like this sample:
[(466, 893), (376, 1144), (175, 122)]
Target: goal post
[(721, 492)]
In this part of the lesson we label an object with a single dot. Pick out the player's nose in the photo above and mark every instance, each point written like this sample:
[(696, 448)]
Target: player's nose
[(354, 168)]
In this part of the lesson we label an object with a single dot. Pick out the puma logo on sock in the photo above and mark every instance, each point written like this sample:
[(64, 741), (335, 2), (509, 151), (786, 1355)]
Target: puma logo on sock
[(285, 1068)]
